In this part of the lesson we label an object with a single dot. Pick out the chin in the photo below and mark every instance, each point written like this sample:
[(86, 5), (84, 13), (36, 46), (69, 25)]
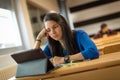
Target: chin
[(56, 39)]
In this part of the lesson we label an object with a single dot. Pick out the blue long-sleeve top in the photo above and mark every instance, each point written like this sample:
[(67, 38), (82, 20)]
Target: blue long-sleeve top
[(85, 45)]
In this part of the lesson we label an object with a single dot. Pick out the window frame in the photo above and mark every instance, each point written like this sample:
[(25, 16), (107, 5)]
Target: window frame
[(10, 50)]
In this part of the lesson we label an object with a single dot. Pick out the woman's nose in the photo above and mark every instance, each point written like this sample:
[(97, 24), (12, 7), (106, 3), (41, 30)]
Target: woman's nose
[(53, 31)]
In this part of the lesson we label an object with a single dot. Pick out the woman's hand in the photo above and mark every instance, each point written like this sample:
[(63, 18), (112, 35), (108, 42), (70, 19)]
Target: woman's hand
[(57, 60), (41, 34)]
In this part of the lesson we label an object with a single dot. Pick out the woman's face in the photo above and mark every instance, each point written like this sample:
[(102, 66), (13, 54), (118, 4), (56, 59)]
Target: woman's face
[(54, 30)]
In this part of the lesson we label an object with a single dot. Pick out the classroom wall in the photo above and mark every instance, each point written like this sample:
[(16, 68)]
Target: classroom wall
[(88, 15)]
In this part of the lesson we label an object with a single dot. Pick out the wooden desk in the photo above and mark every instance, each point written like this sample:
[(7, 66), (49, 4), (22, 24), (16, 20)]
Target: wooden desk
[(106, 41), (105, 45), (109, 63)]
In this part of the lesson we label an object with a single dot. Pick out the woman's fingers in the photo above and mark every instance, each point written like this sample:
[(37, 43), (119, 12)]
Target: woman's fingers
[(41, 34)]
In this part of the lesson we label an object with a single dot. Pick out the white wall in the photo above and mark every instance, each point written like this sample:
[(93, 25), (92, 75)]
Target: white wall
[(94, 28)]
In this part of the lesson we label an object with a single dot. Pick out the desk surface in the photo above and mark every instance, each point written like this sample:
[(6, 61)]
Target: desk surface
[(103, 61)]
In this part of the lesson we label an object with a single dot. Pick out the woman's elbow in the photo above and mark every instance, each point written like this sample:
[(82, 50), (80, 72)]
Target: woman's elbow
[(95, 54), (91, 53)]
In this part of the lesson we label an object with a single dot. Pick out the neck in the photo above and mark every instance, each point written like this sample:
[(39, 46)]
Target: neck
[(61, 42)]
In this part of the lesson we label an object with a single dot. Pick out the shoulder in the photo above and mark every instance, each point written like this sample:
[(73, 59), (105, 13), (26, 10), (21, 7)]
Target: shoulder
[(80, 35), (79, 32)]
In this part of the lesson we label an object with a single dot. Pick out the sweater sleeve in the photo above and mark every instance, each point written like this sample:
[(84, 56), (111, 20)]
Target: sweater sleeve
[(86, 45), (47, 51)]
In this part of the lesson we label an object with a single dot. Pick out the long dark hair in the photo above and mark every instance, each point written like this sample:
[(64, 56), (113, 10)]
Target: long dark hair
[(67, 37)]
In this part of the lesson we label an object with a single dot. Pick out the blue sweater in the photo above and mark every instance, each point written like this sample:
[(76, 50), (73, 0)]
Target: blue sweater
[(85, 46)]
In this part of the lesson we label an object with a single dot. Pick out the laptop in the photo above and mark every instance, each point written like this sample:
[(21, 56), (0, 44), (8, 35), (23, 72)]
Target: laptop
[(32, 62)]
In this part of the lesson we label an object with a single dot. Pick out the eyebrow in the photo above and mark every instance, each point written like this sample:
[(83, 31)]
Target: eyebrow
[(54, 25)]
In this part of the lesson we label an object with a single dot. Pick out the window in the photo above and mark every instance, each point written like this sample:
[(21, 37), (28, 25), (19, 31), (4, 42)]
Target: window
[(9, 33), (9, 30)]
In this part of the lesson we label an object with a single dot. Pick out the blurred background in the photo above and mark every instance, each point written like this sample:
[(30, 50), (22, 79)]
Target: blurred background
[(22, 20)]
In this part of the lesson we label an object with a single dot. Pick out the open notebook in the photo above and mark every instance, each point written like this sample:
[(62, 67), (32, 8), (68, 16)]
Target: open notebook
[(31, 62)]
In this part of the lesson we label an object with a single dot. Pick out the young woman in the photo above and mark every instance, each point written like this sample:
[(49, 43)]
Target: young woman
[(65, 45)]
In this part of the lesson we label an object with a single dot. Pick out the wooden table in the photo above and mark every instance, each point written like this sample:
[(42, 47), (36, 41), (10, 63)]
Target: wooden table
[(106, 41), (108, 64)]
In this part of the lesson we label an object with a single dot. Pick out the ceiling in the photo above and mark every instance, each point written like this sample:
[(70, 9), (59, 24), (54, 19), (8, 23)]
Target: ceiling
[(47, 5)]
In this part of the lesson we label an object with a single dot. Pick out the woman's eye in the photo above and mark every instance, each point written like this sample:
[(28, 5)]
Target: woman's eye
[(55, 26), (48, 30)]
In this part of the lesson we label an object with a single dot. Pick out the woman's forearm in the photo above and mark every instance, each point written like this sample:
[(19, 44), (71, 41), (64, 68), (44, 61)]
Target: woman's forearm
[(36, 45), (39, 37), (60, 60), (77, 56)]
